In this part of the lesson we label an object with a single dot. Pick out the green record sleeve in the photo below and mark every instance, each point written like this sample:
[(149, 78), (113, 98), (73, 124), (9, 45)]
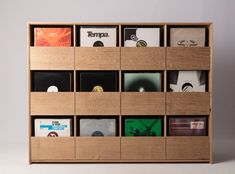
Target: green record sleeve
[(143, 127)]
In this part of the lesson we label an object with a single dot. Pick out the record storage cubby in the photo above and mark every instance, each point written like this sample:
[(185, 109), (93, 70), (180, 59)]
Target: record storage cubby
[(76, 104)]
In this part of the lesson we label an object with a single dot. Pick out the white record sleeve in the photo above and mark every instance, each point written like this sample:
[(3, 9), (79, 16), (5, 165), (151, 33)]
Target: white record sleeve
[(188, 81), (52, 127), (187, 37), (98, 37), (146, 37)]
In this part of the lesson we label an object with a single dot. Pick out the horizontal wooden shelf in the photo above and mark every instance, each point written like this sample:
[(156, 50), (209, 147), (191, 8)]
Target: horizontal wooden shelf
[(197, 58), (98, 148), (95, 103), (44, 148), (51, 58), (142, 148), (119, 161), (188, 103), (183, 148), (142, 103), (45, 103), (97, 58), (149, 58)]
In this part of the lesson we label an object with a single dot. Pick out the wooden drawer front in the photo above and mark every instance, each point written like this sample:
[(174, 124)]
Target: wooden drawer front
[(194, 148), (43, 103), (95, 103), (144, 103), (51, 58), (60, 148), (98, 148), (188, 58), (142, 58), (97, 58), (142, 148), (194, 103)]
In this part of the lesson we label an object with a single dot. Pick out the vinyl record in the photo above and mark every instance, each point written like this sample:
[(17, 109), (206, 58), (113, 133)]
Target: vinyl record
[(187, 81), (143, 127), (142, 81), (52, 127), (98, 36), (44, 81), (187, 126), (97, 127), (141, 37), (98, 81)]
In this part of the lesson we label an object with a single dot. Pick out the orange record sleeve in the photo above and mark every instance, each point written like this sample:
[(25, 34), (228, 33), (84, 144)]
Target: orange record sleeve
[(52, 36)]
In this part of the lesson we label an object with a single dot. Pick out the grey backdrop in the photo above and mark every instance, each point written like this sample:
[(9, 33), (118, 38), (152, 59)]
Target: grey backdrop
[(13, 34)]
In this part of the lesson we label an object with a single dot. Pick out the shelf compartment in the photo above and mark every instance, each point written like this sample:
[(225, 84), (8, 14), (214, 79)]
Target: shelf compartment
[(187, 148), (52, 148), (43, 103), (51, 58), (142, 58), (145, 148), (188, 103), (98, 148), (142, 103), (97, 58), (98, 103), (197, 58)]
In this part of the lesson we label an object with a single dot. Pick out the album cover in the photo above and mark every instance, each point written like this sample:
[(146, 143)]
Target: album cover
[(187, 126), (187, 81), (98, 81), (187, 37), (52, 36), (97, 36), (52, 81), (97, 127), (52, 127), (143, 127), (141, 37), (142, 81)]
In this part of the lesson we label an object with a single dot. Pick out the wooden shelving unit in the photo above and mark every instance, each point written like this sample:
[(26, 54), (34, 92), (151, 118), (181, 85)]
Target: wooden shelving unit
[(164, 104)]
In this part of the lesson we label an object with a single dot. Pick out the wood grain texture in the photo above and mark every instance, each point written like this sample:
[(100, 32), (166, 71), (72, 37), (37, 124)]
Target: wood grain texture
[(193, 148), (197, 58), (98, 148), (144, 103), (117, 161), (97, 58), (51, 58), (142, 148), (52, 148), (189, 103), (43, 103), (96, 103), (146, 58)]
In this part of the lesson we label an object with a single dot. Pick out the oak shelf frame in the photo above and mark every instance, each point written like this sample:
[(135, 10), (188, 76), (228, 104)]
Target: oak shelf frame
[(75, 58)]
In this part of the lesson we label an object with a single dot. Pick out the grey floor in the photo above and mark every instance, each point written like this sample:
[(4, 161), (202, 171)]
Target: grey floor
[(14, 160)]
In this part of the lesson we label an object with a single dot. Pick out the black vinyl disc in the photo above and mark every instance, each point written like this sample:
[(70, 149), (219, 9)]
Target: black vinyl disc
[(42, 80)]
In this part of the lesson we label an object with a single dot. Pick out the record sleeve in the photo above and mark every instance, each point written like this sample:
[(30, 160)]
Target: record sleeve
[(142, 81), (52, 81), (187, 81), (53, 36), (143, 126), (141, 37), (98, 36), (98, 81), (187, 126), (97, 127), (187, 37), (52, 127)]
